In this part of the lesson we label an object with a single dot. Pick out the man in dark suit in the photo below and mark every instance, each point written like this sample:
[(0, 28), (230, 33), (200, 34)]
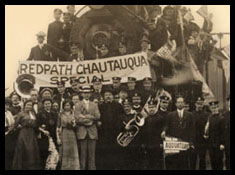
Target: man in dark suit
[(214, 132), (71, 9), (147, 89), (180, 125), (34, 96), (87, 114), (227, 135), (129, 155), (116, 84), (98, 90), (45, 52), (153, 128), (131, 84), (108, 131), (55, 30), (200, 118), (67, 27)]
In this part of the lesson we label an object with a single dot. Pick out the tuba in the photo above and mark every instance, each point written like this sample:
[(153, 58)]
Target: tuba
[(23, 84), (125, 137)]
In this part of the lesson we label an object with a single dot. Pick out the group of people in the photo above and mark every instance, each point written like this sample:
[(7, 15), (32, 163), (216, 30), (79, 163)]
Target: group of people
[(84, 123), (162, 26)]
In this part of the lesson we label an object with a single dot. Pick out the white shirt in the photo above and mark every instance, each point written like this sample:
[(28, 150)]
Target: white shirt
[(86, 103), (40, 45), (180, 113)]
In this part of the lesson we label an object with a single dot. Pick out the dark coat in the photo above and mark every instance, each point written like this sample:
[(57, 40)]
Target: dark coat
[(180, 128), (145, 95), (152, 130), (47, 53), (15, 110), (109, 129), (54, 33), (50, 121), (158, 37), (200, 119), (216, 130)]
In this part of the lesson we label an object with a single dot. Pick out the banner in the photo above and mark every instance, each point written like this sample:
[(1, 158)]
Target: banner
[(48, 73)]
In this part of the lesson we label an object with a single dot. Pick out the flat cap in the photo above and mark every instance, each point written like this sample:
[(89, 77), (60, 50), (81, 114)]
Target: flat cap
[(200, 99), (116, 78), (164, 97), (46, 89), (40, 34), (147, 79), (131, 79), (213, 103), (73, 80), (60, 83), (126, 102), (123, 88), (96, 79)]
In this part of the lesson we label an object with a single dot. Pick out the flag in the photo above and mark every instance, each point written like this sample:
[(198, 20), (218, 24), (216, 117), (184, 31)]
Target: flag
[(206, 91), (203, 11), (166, 51), (189, 16)]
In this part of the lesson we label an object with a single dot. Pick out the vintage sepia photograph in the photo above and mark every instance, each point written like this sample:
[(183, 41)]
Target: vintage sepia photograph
[(117, 87)]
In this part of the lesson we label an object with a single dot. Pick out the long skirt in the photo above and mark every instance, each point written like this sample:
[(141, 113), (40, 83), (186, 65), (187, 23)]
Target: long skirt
[(26, 152), (10, 143), (69, 150)]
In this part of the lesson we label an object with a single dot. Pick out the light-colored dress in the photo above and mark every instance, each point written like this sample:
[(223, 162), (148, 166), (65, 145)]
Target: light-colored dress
[(69, 148)]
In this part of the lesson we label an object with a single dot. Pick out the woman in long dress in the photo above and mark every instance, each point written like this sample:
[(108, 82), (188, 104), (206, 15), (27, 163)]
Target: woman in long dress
[(9, 138), (26, 152), (67, 139), (46, 121)]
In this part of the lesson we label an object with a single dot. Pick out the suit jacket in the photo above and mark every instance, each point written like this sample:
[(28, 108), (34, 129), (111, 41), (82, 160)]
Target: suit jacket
[(47, 53), (81, 114), (200, 120), (109, 128), (159, 35), (216, 130), (54, 33), (182, 128)]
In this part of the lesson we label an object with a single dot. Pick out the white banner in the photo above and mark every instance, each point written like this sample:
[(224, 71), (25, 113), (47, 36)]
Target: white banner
[(48, 73)]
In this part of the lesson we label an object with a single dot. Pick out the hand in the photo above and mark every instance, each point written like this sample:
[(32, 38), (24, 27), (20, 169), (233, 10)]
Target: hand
[(59, 142), (163, 134), (205, 137), (46, 133), (221, 147), (99, 123)]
